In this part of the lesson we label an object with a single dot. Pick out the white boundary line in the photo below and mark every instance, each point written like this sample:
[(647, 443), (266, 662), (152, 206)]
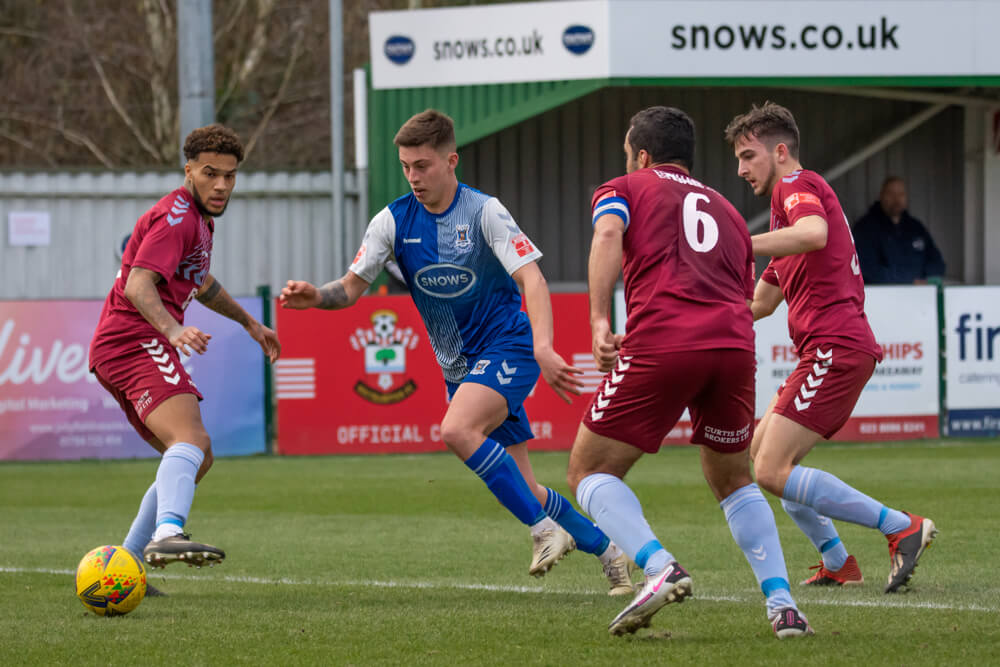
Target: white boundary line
[(287, 581)]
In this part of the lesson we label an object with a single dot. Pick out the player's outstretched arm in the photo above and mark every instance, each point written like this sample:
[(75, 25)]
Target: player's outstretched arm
[(557, 373), (766, 297), (603, 267), (807, 234), (140, 289), (341, 293), (213, 295)]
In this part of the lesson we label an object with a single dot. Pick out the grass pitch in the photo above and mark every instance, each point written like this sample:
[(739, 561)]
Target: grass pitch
[(408, 560)]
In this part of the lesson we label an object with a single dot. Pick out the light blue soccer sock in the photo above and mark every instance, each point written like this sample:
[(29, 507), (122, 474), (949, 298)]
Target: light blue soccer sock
[(618, 513), (589, 538), (751, 522), (500, 472), (833, 498), (143, 525), (175, 484), (820, 531)]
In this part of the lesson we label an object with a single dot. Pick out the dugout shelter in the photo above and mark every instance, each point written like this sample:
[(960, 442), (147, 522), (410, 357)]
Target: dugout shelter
[(541, 94)]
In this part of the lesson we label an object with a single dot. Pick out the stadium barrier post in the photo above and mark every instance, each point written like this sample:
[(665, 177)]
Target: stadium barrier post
[(264, 292), (942, 361)]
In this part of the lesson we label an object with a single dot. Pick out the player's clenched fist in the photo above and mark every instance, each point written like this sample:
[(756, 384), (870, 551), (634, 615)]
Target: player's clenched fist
[(605, 346), (299, 294)]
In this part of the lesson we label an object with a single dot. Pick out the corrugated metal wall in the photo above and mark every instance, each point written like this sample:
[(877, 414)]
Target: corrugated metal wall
[(546, 168), (278, 226)]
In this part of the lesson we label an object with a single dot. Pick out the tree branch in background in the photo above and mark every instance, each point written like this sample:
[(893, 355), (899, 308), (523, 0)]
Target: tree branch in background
[(110, 92), (163, 42), (69, 134), (298, 29), (24, 143), (249, 63)]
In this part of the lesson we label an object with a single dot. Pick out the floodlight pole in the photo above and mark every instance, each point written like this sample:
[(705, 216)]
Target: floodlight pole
[(195, 66)]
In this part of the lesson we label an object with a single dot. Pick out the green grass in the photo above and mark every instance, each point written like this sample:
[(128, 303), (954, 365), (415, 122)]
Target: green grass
[(409, 560)]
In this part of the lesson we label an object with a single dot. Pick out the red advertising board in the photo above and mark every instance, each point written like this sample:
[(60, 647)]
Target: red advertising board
[(365, 380)]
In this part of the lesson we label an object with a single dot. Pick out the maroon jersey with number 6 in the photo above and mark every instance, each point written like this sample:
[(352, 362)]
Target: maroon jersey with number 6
[(174, 240), (823, 288), (687, 262)]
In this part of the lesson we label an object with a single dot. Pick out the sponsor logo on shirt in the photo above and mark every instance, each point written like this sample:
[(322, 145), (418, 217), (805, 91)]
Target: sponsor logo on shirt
[(384, 346), (416, 240), (445, 281), (796, 198), (522, 246), (361, 253)]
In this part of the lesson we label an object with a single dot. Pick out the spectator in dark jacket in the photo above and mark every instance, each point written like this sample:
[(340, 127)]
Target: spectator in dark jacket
[(892, 245)]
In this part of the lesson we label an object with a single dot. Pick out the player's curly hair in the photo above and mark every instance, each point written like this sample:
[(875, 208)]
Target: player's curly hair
[(770, 123), (430, 127), (213, 138)]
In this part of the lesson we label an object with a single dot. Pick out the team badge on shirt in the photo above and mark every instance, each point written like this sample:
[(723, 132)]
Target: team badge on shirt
[(462, 240), (384, 346)]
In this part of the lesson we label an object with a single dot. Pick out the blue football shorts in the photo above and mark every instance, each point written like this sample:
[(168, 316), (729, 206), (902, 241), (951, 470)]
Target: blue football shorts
[(509, 368)]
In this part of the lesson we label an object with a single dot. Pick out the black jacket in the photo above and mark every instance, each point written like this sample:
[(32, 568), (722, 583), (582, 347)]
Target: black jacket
[(895, 253)]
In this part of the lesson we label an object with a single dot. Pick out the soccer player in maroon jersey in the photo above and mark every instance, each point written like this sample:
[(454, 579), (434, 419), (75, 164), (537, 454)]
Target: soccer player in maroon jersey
[(134, 353), (815, 269), (689, 343)]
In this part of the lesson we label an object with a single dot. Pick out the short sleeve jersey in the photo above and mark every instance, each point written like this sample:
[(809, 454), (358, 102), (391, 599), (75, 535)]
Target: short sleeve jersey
[(174, 240), (823, 288), (687, 262), (458, 266)]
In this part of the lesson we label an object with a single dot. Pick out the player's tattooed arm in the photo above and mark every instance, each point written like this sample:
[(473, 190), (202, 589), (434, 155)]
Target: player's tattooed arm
[(333, 295), (213, 295), (140, 289)]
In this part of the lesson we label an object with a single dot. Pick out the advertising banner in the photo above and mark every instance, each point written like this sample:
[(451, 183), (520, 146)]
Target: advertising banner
[(51, 406), (594, 39), (365, 380), (901, 401), (972, 343), (543, 41)]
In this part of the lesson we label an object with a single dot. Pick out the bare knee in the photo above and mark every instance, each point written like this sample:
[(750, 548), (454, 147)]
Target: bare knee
[(205, 465), (770, 476), (573, 477)]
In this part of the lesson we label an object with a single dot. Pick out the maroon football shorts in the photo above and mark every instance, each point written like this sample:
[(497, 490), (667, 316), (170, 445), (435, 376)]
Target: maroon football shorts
[(144, 378), (822, 390), (642, 398)]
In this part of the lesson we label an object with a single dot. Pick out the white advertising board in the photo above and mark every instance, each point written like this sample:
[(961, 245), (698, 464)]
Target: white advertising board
[(726, 38), (593, 39), (544, 41), (902, 398), (972, 344), (29, 228)]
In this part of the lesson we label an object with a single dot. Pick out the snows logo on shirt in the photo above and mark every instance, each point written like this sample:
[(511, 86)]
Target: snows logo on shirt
[(384, 346)]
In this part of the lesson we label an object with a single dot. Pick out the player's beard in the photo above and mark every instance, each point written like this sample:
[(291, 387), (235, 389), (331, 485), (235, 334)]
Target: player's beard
[(772, 180), (204, 209)]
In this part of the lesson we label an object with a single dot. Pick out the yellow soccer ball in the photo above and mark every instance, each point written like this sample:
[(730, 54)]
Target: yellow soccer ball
[(110, 581)]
